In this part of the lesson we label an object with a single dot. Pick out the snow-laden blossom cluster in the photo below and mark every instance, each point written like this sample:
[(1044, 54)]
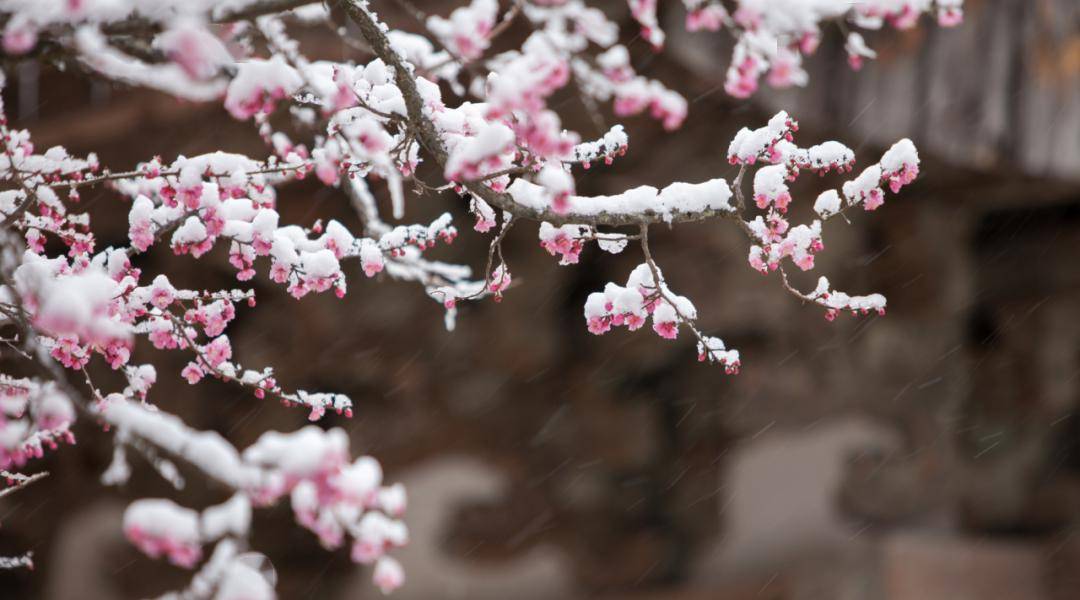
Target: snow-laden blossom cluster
[(778, 162), (34, 416), (772, 37), (774, 236), (568, 241), (839, 301), (466, 31), (646, 296), (481, 116), (567, 29), (214, 197), (336, 498), (230, 574), (69, 301)]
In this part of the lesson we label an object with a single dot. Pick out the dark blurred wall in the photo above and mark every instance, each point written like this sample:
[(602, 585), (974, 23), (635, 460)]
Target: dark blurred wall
[(623, 461)]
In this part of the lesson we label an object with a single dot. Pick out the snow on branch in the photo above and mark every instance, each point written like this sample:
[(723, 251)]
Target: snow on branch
[(26, 561)]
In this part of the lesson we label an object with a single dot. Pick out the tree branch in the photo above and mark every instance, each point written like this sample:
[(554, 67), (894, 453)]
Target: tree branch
[(21, 481), (252, 10)]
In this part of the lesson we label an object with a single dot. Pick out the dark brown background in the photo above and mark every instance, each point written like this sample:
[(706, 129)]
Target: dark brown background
[(930, 453)]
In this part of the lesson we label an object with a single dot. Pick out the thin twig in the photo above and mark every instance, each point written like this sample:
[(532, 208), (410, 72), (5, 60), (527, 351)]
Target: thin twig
[(21, 481), (661, 289)]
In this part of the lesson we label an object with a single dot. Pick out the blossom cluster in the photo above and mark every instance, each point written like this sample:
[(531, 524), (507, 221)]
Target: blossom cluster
[(466, 31), (632, 304), (778, 161), (568, 241), (774, 237), (837, 301), (772, 37), (330, 495), (83, 301), (34, 416), (646, 295)]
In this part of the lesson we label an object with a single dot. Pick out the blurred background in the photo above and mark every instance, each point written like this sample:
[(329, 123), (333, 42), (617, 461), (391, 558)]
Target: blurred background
[(931, 453)]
